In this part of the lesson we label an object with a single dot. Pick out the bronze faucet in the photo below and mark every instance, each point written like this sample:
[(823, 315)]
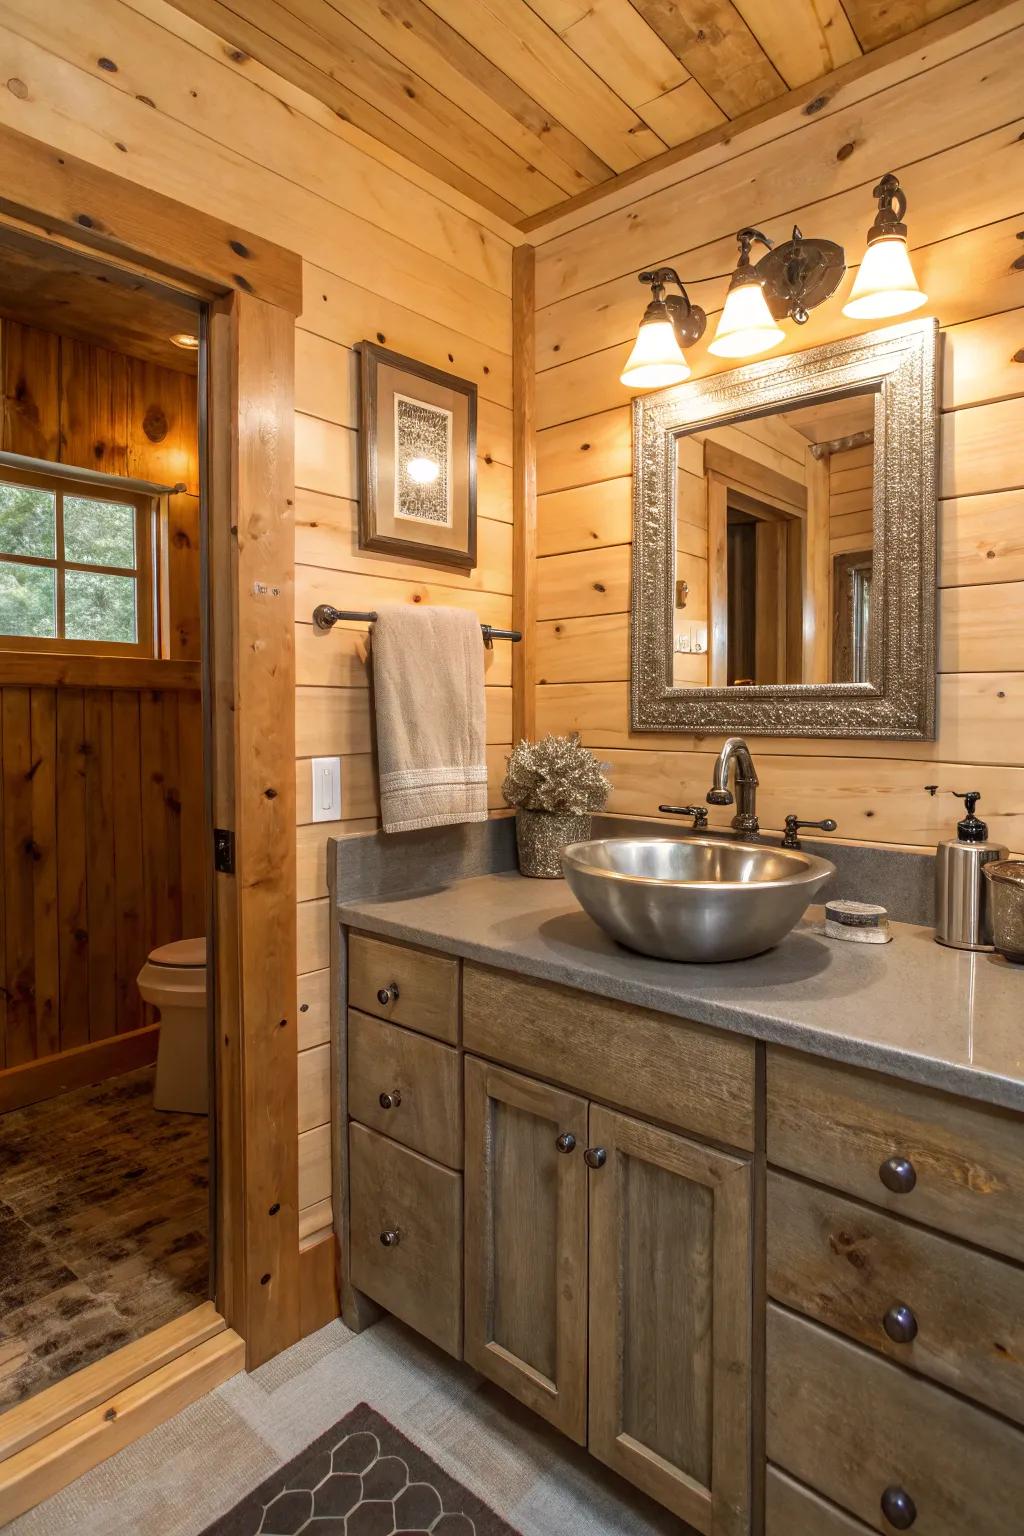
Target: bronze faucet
[(736, 755)]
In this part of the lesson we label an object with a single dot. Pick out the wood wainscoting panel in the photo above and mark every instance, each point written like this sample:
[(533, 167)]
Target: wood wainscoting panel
[(103, 818)]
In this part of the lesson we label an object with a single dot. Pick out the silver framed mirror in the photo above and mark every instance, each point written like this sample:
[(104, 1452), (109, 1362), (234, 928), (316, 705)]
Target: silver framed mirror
[(784, 544)]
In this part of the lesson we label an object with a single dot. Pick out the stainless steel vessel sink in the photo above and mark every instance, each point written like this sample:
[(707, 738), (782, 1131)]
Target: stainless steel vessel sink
[(698, 898)]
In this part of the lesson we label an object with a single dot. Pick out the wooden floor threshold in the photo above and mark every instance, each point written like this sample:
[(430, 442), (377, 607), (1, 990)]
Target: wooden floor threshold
[(48, 1441)]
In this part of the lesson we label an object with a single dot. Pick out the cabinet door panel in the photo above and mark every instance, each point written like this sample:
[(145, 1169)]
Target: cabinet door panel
[(670, 1311), (526, 1242)]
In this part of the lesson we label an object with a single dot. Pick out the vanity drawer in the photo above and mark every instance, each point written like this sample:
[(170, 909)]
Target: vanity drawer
[(417, 1079), (848, 1265), (793, 1510), (839, 1125), (407, 986), (851, 1425), (418, 1205), (666, 1069)]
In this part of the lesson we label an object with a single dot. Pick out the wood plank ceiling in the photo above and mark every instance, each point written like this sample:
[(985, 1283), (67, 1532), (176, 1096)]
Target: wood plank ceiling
[(522, 104)]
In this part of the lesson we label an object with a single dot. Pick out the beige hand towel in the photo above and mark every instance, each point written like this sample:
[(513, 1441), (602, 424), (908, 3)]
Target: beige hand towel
[(428, 683)]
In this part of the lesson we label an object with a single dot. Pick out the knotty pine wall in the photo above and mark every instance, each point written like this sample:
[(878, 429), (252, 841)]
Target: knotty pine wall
[(101, 785), (389, 253), (949, 121)]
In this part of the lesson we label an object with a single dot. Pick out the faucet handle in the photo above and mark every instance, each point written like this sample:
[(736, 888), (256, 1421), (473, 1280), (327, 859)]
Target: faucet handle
[(698, 812), (794, 824)]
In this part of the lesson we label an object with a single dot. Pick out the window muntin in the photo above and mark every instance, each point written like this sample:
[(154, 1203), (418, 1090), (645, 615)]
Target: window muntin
[(76, 566)]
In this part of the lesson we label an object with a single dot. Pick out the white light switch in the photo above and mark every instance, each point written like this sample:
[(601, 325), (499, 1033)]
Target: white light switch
[(326, 788)]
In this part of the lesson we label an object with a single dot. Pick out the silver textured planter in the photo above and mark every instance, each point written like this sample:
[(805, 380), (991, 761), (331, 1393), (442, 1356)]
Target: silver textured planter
[(542, 835)]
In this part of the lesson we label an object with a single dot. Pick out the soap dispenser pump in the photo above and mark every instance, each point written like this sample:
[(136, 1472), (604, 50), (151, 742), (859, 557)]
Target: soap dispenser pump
[(962, 918)]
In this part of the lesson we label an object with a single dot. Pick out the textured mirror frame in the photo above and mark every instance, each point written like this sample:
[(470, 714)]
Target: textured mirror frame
[(898, 703)]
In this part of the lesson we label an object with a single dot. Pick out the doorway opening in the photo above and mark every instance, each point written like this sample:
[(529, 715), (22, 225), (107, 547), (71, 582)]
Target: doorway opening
[(105, 1102)]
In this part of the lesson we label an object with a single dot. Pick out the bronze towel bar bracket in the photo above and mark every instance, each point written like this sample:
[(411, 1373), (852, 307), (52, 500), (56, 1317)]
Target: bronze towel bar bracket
[(325, 617)]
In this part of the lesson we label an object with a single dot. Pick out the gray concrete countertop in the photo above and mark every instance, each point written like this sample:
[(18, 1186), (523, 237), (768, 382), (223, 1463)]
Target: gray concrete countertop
[(941, 1017)]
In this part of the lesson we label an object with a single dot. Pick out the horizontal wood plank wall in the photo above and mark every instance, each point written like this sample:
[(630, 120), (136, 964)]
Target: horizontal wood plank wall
[(390, 254), (102, 828), (953, 133)]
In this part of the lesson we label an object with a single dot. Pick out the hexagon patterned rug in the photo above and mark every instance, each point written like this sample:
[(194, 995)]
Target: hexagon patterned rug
[(362, 1478)]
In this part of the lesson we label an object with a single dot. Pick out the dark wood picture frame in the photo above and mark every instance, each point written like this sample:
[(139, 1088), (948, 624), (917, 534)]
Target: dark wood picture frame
[(372, 357)]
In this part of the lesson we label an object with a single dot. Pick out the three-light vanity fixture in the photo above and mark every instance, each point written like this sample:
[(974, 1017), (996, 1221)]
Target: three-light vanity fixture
[(786, 283)]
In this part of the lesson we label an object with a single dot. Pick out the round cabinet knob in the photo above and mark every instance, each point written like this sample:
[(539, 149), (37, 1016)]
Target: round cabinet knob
[(900, 1323), (595, 1157), (388, 994), (899, 1508), (898, 1174), (390, 1100), (391, 1238), (566, 1142)]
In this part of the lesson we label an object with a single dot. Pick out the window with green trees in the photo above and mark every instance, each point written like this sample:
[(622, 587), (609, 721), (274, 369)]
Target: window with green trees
[(76, 565)]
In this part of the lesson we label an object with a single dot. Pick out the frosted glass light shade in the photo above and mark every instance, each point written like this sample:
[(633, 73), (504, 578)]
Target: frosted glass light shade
[(746, 325), (885, 284), (656, 359)]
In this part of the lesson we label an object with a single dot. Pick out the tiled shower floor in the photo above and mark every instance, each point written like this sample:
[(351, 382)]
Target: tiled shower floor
[(104, 1218)]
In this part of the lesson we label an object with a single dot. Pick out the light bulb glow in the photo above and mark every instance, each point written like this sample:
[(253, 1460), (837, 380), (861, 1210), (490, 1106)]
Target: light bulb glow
[(745, 326), (186, 341), (423, 471), (656, 359), (885, 284)]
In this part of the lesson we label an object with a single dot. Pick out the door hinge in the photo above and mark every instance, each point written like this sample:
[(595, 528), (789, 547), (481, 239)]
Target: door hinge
[(223, 851)]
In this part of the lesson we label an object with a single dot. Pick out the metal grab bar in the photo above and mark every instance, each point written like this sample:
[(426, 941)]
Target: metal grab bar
[(325, 617)]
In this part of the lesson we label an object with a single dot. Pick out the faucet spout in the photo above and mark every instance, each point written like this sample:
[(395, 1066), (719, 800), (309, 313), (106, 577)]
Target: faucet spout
[(735, 757)]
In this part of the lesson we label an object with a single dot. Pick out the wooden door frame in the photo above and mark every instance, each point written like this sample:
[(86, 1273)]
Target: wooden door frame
[(253, 290)]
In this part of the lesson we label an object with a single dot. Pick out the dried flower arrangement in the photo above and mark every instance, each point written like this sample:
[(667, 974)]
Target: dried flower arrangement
[(557, 774)]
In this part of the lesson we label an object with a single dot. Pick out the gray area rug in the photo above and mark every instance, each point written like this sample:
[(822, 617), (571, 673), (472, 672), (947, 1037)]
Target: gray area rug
[(362, 1478)]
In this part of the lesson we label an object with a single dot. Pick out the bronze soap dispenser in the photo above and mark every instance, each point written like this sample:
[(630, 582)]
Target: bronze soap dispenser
[(962, 918)]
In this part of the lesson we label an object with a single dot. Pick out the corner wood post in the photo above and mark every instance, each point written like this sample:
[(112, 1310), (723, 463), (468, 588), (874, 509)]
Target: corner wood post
[(250, 485), (524, 492)]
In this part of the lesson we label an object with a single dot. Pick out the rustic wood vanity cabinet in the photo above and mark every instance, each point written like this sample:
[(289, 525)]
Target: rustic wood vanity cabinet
[(779, 1294)]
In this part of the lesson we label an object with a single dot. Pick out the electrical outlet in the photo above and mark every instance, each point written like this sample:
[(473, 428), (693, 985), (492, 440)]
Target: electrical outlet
[(326, 788)]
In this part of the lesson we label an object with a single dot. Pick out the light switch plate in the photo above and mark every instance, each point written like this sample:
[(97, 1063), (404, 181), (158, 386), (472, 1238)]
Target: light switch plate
[(326, 788)]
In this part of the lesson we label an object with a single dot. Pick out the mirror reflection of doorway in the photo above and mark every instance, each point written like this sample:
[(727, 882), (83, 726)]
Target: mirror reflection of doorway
[(764, 553), (104, 1043), (774, 530)]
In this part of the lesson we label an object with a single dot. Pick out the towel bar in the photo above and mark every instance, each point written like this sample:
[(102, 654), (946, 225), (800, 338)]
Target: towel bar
[(325, 617)]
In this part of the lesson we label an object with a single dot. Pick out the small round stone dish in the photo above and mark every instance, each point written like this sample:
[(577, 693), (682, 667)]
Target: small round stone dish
[(1006, 904)]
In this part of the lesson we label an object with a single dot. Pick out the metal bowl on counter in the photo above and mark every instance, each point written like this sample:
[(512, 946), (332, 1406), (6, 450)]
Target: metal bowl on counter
[(1006, 906), (696, 899)]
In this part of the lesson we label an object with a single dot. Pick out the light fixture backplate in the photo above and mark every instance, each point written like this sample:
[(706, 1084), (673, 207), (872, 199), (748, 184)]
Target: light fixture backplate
[(800, 274)]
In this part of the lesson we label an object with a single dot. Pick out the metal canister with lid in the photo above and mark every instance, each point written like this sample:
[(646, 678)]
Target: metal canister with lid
[(962, 904), (1005, 881)]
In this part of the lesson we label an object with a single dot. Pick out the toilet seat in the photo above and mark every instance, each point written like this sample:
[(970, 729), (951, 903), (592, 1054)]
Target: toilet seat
[(185, 954)]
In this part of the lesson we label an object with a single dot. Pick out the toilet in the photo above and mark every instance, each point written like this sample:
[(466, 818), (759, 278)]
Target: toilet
[(173, 980)]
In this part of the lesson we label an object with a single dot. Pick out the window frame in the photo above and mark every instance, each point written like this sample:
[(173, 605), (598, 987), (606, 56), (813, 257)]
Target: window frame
[(62, 484)]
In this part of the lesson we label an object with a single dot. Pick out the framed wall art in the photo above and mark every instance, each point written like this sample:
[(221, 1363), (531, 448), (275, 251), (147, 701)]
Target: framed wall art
[(417, 491)]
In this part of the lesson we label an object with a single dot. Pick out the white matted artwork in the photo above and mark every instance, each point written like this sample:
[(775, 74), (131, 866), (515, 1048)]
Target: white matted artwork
[(417, 460), (423, 456)]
